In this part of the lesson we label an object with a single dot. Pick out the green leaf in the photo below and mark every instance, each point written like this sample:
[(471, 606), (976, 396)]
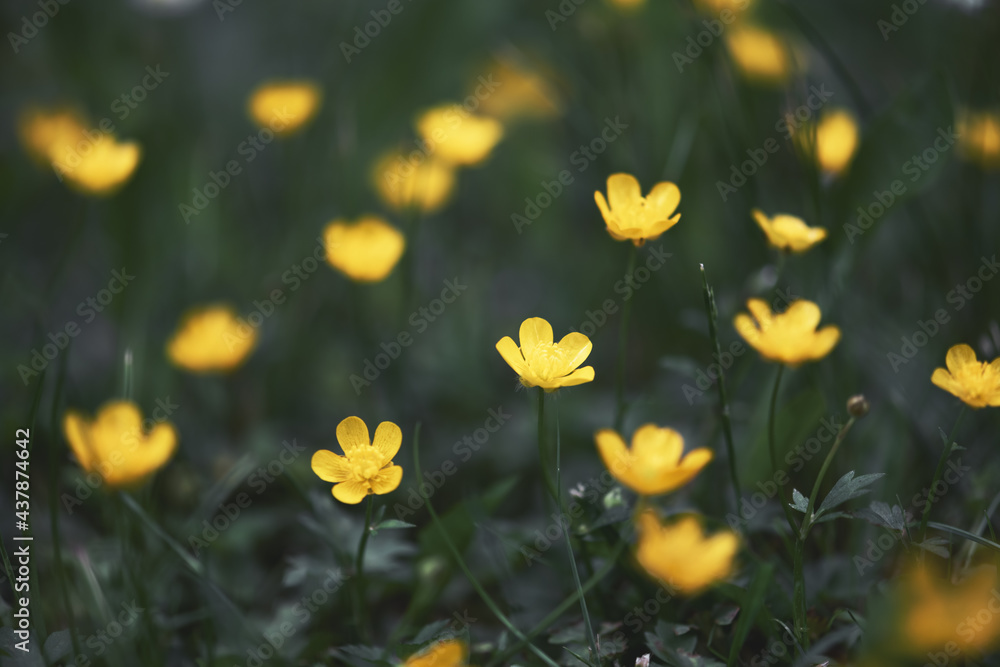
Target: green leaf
[(847, 488), (799, 502), (389, 524), (936, 545), (752, 605), (881, 514)]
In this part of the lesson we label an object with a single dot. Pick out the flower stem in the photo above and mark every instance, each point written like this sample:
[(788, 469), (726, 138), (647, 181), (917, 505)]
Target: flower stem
[(623, 346), (807, 521), (937, 474), (771, 447), (543, 449), (360, 608)]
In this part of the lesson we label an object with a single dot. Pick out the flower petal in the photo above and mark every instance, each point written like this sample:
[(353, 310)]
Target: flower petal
[(159, 446), (802, 315), (534, 330), (653, 446), (387, 479), (350, 493), (825, 340), (613, 452), (761, 312), (745, 326), (330, 467), (388, 438), (663, 200), (602, 204), (623, 192), (352, 433), (960, 356), (75, 428), (579, 376), (510, 352), (577, 348)]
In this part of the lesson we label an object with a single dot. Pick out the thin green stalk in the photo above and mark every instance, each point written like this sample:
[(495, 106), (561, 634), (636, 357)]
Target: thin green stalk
[(543, 449), (807, 521), (937, 474), (569, 541), (727, 428), (623, 345), (487, 600), (360, 608), (771, 447)]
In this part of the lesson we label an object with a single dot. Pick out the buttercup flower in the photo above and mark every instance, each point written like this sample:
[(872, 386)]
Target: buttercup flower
[(681, 555), (653, 466), (836, 140), (96, 167), (449, 653), (634, 217), (979, 137), (365, 251), (977, 383), (789, 337), (788, 233), (367, 467), (760, 55), (512, 91), (457, 136), (937, 612), (211, 338), (542, 363), (284, 106), (115, 445), (426, 185), (40, 131)]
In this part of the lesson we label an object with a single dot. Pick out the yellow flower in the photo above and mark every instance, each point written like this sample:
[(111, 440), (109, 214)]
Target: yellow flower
[(457, 136), (96, 167), (979, 137), (759, 54), (211, 338), (681, 555), (789, 337), (115, 445), (937, 612), (836, 140), (367, 467), (632, 216), (426, 185), (284, 106), (540, 362), (40, 131), (516, 91), (654, 465), (449, 653), (365, 251), (788, 233), (975, 382)]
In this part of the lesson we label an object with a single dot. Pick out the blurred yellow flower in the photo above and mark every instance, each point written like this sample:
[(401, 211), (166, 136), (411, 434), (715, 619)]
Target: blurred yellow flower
[(115, 445), (457, 136), (365, 251), (448, 653), (681, 555), (632, 216), (937, 614), (654, 464), (759, 54), (836, 140), (284, 106), (211, 338), (788, 233), (367, 467), (791, 337), (516, 91), (426, 185), (977, 383), (979, 137), (96, 167), (540, 362), (40, 131)]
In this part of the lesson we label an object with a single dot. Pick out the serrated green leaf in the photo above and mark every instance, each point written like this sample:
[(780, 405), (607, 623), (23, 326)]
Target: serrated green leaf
[(847, 488), (799, 502)]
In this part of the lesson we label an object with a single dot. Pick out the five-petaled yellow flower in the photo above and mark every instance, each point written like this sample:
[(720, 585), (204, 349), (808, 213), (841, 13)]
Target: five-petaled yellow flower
[(979, 137), (681, 555), (977, 383), (540, 362), (937, 613), (653, 465), (457, 136), (284, 106), (116, 446), (634, 217), (424, 183), (367, 466), (788, 233), (448, 653), (759, 54), (789, 337), (211, 338), (365, 251)]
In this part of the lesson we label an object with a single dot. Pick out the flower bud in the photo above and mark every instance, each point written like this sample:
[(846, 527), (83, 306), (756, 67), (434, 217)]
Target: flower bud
[(857, 406)]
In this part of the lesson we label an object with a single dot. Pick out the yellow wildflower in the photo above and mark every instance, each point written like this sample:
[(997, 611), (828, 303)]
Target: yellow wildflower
[(540, 362), (632, 216), (938, 614), (365, 251), (457, 136), (211, 338), (788, 233), (975, 382), (284, 106), (426, 185), (759, 54), (40, 131), (836, 140), (979, 137), (653, 465), (96, 167), (367, 467), (681, 555), (448, 653), (790, 337), (516, 91)]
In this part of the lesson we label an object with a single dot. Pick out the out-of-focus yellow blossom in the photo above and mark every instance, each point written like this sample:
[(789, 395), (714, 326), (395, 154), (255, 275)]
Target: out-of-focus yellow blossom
[(448, 653), (426, 185), (759, 54), (457, 136), (510, 91), (365, 251), (979, 137), (629, 215), (211, 338), (790, 337), (540, 362), (367, 466), (96, 167), (40, 131), (716, 7), (681, 555), (115, 445), (788, 233), (976, 382), (284, 106), (937, 614), (836, 140), (653, 465)]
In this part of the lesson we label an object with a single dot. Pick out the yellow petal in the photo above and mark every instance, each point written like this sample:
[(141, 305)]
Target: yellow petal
[(623, 192), (826, 339), (534, 331), (365, 251), (388, 438), (352, 433), (330, 467), (803, 315), (75, 428), (284, 106), (350, 493), (960, 356), (613, 452), (602, 204), (761, 312), (160, 446), (449, 653), (663, 200), (697, 459), (576, 346), (512, 355), (579, 376), (661, 447), (745, 326), (387, 479)]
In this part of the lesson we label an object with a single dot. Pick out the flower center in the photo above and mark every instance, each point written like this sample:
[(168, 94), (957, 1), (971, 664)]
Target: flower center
[(365, 463), (548, 360)]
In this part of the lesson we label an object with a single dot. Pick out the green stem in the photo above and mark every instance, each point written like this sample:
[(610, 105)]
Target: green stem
[(487, 600), (771, 447), (727, 428), (623, 346), (569, 541), (937, 474), (361, 609), (543, 448), (807, 521)]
